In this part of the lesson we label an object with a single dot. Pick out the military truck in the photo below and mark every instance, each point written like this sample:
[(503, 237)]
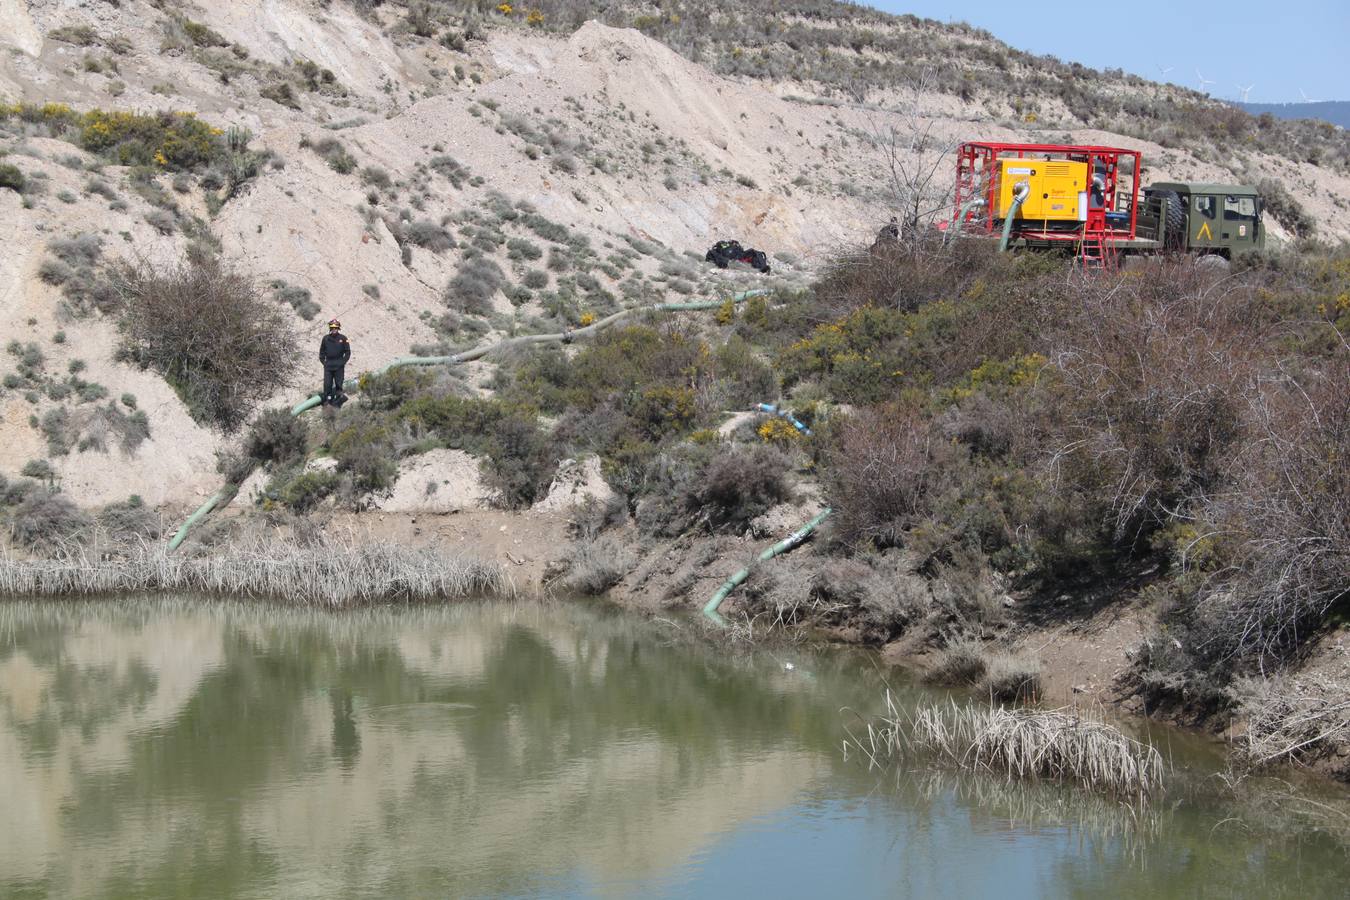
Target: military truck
[(1192, 217), (1088, 201)]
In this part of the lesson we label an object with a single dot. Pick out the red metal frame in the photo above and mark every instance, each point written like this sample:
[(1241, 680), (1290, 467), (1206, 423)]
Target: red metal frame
[(975, 163)]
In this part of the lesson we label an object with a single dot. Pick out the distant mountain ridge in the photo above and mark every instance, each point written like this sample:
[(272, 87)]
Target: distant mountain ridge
[(1337, 112)]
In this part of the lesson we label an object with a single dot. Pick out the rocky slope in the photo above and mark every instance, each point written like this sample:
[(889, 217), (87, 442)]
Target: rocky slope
[(601, 143)]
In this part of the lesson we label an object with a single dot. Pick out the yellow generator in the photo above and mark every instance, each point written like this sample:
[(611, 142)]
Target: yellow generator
[(1058, 188)]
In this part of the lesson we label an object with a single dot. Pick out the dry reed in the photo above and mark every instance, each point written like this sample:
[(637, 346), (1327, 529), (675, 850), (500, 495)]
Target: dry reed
[(329, 573), (1017, 743)]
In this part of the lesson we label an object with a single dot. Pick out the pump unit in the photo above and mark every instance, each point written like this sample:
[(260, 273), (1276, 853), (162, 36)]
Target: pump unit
[(1058, 188)]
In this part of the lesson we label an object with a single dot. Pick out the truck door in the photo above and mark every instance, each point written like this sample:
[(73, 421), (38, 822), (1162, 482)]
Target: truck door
[(1239, 222), (1206, 229)]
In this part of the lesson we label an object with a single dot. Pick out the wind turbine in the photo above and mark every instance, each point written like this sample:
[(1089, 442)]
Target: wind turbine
[(1163, 70), (1245, 90), (1304, 94), (1203, 81)]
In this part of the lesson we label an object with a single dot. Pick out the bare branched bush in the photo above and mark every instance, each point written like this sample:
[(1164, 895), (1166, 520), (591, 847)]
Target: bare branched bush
[(886, 471), (1153, 372), (210, 331), (1285, 520), (1285, 723)]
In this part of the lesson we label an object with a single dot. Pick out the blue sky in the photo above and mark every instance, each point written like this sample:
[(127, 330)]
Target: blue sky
[(1281, 47)]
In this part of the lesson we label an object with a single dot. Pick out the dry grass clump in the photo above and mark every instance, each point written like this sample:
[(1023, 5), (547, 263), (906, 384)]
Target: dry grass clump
[(595, 567), (1012, 678), (960, 662), (328, 573), (1017, 743), (1006, 677)]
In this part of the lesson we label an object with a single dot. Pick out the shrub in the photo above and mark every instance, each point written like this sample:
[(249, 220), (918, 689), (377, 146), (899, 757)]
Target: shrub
[(711, 486), (376, 177), (107, 423), (276, 437), (298, 299), (130, 519), (429, 236), (46, 521), (594, 566), (472, 287), (365, 456), (518, 459), (333, 153), (307, 490), (886, 470), (78, 250), (450, 169), (518, 462), (54, 271), (209, 331), (12, 178), (1147, 395), (281, 93), (162, 221), (79, 35), (60, 430), (38, 468), (740, 484), (174, 141), (519, 248), (1281, 205)]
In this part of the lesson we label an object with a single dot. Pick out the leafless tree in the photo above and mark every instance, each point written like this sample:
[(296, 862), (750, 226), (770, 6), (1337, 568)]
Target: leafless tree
[(914, 157)]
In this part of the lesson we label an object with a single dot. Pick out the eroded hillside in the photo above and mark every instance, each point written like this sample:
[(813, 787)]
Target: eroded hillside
[(435, 176)]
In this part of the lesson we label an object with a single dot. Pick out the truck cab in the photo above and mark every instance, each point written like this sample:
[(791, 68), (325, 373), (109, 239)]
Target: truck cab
[(1222, 219)]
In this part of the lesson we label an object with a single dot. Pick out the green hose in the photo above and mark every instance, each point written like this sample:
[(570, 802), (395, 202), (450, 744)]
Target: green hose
[(1020, 192), (201, 513), (791, 542), (956, 228), (467, 356)]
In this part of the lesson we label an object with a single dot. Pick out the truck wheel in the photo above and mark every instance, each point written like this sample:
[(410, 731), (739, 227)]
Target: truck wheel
[(1174, 229)]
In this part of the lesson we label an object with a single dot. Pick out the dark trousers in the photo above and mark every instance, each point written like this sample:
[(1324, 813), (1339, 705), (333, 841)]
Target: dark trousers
[(332, 382)]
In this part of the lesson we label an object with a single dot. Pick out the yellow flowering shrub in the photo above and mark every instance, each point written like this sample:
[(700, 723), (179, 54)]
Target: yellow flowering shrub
[(778, 431), (174, 140)]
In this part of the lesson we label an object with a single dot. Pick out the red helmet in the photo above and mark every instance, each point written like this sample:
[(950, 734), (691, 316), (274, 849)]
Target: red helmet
[(334, 324)]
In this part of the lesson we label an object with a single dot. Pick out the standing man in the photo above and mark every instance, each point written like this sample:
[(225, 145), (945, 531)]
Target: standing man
[(334, 351)]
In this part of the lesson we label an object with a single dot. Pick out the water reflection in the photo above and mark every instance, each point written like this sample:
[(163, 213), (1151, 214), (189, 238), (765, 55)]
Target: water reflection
[(173, 749)]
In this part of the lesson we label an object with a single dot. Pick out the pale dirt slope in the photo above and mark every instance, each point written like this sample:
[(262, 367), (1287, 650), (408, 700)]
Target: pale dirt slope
[(743, 159)]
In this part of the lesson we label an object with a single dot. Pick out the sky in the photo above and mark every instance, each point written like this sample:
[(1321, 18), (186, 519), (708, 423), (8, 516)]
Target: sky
[(1286, 50)]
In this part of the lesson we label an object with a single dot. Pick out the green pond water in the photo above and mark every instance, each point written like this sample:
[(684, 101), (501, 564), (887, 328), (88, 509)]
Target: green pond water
[(207, 749)]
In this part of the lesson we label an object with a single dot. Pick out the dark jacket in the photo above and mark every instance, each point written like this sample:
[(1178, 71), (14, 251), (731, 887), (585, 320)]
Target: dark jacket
[(334, 350)]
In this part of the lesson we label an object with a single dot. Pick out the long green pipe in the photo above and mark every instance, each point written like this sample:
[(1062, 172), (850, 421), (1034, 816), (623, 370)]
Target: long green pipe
[(1018, 197), (791, 542), (467, 356)]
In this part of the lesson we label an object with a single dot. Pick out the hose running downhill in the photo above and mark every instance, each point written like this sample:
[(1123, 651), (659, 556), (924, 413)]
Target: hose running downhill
[(219, 498), (787, 544)]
